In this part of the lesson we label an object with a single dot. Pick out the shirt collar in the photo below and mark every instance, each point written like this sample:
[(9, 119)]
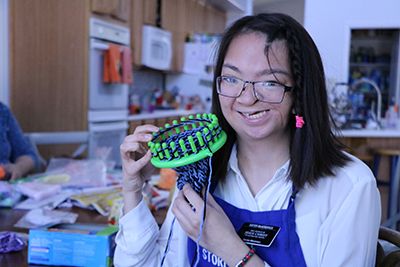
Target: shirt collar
[(233, 165)]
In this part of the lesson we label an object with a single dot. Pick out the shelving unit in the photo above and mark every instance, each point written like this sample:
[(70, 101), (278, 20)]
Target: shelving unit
[(374, 55)]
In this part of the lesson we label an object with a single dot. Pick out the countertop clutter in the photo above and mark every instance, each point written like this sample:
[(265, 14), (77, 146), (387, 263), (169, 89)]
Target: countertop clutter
[(73, 206), (384, 133)]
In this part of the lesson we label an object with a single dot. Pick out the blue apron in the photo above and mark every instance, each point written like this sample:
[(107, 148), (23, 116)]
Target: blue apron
[(284, 251)]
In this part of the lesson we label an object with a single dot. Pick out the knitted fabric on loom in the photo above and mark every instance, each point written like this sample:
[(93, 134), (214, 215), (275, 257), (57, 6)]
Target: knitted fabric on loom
[(187, 174), (195, 173), (198, 173)]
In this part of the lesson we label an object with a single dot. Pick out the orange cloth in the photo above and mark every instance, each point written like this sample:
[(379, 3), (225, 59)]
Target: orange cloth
[(106, 69), (112, 65), (127, 76), (167, 179)]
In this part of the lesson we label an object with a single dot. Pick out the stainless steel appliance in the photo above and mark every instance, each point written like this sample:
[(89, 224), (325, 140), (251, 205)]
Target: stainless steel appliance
[(108, 102)]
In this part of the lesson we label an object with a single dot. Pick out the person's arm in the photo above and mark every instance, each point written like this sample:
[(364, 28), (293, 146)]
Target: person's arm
[(351, 238), (140, 242), (137, 238), (136, 166), (22, 158)]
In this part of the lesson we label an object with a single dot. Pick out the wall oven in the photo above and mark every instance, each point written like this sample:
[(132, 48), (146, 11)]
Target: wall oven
[(108, 102)]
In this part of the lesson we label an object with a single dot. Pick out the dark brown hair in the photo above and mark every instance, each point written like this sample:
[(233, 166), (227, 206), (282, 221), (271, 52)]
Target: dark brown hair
[(314, 150)]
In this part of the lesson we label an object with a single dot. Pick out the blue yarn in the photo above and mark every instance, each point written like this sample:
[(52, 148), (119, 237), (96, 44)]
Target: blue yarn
[(188, 174), (171, 231), (203, 216), (195, 174)]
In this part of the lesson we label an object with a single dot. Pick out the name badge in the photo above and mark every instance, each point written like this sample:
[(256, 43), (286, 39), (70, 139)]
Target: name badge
[(258, 234)]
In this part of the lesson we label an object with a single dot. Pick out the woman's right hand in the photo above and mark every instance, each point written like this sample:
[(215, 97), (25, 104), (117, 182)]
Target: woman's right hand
[(136, 165)]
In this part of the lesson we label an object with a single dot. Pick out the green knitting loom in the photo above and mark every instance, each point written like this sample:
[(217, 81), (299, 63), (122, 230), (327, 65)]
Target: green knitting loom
[(187, 142)]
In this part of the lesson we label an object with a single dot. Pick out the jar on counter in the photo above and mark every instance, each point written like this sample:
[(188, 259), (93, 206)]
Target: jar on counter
[(134, 104)]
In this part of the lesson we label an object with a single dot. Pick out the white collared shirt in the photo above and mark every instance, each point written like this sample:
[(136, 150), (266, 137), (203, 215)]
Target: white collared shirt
[(337, 220)]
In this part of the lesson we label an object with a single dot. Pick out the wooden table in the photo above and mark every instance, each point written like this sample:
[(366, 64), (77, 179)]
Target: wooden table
[(8, 217)]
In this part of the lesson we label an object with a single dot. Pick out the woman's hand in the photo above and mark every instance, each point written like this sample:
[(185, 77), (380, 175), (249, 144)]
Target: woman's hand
[(23, 165), (13, 171), (136, 165), (218, 234)]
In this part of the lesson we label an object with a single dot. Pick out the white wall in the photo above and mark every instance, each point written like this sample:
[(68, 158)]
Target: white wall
[(4, 53), (329, 23)]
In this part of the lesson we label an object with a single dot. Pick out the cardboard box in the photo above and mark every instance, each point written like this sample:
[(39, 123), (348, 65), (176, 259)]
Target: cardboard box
[(73, 245)]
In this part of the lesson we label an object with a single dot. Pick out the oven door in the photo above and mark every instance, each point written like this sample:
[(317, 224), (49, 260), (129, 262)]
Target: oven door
[(107, 136), (103, 96)]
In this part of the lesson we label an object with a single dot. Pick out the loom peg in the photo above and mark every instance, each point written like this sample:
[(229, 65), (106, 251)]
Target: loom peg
[(159, 151), (200, 138), (167, 155), (174, 150), (192, 144), (183, 147), (167, 126)]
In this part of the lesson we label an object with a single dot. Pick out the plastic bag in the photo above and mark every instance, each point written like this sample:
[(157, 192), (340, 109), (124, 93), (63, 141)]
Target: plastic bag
[(82, 173), (40, 217), (11, 241)]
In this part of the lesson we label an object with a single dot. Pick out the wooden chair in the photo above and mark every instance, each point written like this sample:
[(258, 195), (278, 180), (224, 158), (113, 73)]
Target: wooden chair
[(388, 254)]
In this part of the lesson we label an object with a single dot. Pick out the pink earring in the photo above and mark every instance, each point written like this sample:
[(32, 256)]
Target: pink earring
[(299, 122)]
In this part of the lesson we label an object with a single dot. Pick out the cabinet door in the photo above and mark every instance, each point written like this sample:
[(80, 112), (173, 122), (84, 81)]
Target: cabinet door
[(106, 7), (122, 10), (173, 20), (133, 125), (150, 12), (137, 31), (215, 20), (49, 54)]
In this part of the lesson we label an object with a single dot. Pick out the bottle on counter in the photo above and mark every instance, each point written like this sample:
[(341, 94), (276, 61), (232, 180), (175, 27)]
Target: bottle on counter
[(134, 104), (391, 118)]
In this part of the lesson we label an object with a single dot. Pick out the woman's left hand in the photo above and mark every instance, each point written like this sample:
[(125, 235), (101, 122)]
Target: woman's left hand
[(218, 234), (13, 170)]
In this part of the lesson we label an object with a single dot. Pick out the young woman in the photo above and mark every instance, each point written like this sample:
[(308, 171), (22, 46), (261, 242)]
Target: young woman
[(281, 177)]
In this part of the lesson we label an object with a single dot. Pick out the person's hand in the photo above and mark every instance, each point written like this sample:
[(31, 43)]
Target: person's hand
[(136, 165), (13, 170), (218, 234)]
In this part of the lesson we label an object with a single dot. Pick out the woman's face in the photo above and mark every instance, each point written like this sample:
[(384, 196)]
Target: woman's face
[(250, 118)]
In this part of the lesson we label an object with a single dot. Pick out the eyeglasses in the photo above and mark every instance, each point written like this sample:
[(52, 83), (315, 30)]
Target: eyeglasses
[(268, 92)]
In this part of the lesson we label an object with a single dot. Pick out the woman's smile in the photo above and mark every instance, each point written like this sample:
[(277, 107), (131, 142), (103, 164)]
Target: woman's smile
[(254, 115)]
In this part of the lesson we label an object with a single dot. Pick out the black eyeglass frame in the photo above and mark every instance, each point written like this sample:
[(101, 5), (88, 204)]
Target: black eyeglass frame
[(218, 82)]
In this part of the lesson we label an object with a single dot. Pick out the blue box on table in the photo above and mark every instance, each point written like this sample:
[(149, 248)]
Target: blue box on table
[(73, 245)]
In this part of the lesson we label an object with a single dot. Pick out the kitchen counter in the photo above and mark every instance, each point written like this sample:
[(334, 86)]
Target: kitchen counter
[(385, 133), (156, 114)]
